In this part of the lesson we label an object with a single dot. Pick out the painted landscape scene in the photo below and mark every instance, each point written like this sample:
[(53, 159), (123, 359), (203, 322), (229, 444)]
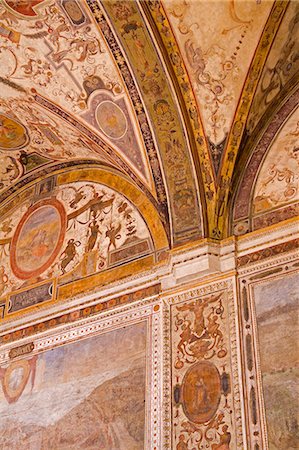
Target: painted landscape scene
[(86, 395), (277, 308)]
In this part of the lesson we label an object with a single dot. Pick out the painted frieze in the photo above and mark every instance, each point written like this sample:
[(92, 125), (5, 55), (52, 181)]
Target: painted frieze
[(67, 231), (203, 363)]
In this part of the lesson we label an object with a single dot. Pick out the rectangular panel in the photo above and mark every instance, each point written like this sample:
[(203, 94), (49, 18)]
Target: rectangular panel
[(205, 392), (269, 309), (88, 394), (30, 297), (276, 303)]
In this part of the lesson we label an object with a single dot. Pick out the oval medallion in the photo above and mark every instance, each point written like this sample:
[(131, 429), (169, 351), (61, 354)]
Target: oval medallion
[(201, 392), (38, 239), (15, 379), (111, 119), (13, 135)]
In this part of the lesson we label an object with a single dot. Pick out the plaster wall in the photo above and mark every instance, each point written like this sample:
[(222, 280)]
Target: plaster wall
[(194, 354)]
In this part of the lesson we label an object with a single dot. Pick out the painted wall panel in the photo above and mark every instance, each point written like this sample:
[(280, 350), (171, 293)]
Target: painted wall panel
[(268, 308), (204, 409), (277, 307), (86, 395)]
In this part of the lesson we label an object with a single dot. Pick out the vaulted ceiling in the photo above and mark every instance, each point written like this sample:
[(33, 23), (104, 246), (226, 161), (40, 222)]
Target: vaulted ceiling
[(174, 105)]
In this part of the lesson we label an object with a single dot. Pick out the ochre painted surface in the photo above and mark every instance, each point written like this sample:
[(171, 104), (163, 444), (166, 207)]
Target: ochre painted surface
[(152, 89), (72, 234), (217, 52), (125, 130), (202, 381), (84, 395), (276, 307), (149, 72), (277, 183), (115, 182), (67, 61)]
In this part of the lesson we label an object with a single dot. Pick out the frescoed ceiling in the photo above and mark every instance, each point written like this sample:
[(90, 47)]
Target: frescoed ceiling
[(64, 59), (217, 52), (170, 103), (269, 191)]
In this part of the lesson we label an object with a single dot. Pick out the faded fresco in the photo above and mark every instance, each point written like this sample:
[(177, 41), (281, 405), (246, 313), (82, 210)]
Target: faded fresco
[(202, 383), (217, 52), (69, 231), (278, 181), (276, 304), (85, 395)]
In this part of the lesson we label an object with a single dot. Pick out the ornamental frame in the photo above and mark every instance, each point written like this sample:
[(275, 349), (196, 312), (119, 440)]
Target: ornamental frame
[(148, 310), (226, 288), (250, 276)]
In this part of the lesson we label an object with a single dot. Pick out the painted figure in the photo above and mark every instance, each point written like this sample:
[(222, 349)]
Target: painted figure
[(113, 234), (202, 398), (70, 253), (94, 231), (225, 439), (182, 445)]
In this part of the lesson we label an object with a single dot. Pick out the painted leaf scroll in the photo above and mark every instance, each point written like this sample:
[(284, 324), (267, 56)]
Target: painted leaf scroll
[(68, 231), (203, 411)]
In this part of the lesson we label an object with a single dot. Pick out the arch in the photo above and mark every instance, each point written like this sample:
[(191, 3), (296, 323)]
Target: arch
[(74, 230), (242, 215)]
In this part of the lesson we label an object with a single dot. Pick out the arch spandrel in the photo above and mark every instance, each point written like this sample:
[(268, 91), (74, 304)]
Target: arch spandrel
[(268, 190), (74, 231)]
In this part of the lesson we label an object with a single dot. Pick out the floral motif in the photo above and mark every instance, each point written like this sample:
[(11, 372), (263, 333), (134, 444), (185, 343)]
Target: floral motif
[(200, 374)]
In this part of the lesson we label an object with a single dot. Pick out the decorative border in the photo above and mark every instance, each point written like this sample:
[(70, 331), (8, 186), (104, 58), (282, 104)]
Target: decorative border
[(156, 11), (107, 322), (81, 313), (269, 252), (252, 379), (225, 285), (50, 202), (220, 224), (134, 96), (181, 229)]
